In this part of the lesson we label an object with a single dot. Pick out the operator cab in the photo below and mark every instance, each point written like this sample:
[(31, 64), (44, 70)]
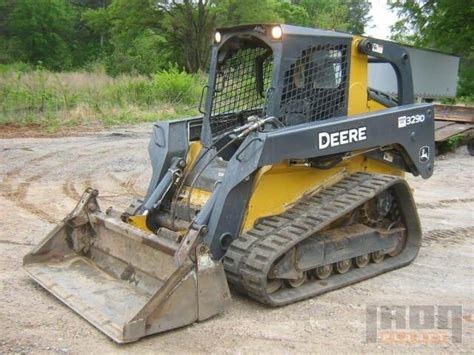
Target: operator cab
[(294, 74)]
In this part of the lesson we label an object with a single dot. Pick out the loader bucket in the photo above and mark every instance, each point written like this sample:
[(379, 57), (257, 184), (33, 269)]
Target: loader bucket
[(123, 280)]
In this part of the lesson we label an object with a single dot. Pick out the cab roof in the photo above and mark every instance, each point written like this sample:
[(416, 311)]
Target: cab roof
[(286, 29)]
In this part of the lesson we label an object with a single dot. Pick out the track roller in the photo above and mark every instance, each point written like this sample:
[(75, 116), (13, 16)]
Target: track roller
[(323, 272), (343, 266), (377, 256), (362, 261), (298, 282)]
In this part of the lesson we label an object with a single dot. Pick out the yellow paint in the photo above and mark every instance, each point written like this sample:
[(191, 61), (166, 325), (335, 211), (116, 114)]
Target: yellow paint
[(193, 151), (357, 80), (138, 221), (278, 187), (375, 106), (198, 198), (358, 83), (361, 163)]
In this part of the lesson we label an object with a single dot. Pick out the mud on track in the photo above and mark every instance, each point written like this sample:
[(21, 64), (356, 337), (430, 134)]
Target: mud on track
[(42, 178)]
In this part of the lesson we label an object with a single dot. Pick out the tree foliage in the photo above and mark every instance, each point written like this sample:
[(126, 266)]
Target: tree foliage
[(190, 25), (145, 36), (248, 11), (358, 16), (43, 31)]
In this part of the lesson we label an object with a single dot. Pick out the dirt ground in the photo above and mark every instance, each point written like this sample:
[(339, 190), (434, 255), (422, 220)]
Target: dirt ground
[(42, 178)]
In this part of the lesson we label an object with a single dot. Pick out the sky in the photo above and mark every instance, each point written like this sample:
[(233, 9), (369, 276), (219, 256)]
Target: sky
[(382, 19)]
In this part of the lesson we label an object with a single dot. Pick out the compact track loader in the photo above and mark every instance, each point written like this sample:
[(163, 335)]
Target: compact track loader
[(289, 186)]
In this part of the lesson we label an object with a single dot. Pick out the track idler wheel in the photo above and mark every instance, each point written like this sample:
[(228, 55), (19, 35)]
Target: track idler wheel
[(343, 266), (401, 242), (362, 261), (273, 285), (323, 272)]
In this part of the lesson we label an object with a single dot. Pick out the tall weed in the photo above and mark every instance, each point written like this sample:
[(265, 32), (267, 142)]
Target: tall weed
[(55, 100), (178, 87)]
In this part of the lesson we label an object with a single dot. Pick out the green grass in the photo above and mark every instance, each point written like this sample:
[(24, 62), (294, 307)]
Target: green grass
[(53, 101), (452, 143)]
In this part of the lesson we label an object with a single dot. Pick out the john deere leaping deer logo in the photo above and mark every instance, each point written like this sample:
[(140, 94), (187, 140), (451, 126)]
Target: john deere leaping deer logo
[(424, 154)]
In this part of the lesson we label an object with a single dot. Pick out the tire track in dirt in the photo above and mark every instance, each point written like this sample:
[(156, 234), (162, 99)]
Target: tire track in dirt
[(16, 182), (18, 194), (19, 198), (10, 175), (447, 236), (129, 185), (69, 189), (444, 203), (6, 184), (3, 241)]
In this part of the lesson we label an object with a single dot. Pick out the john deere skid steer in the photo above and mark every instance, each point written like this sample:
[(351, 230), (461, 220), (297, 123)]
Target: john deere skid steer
[(289, 186)]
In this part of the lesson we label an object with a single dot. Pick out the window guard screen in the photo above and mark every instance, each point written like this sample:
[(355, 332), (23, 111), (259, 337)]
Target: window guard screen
[(238, 93), (315, 86)]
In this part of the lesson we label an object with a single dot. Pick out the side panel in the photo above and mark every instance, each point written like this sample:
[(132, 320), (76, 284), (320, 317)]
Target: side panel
[(410, 126), (435, 75), (270, 199), (268, 196)]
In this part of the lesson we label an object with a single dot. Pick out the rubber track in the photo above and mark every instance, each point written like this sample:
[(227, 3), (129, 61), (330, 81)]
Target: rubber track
[(250, 257)]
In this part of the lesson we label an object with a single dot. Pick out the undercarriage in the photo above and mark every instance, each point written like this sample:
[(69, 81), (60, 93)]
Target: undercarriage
[(364, 225)]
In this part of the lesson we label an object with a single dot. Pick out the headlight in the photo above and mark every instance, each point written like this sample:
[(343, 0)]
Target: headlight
[(277, 32), (217, 37)]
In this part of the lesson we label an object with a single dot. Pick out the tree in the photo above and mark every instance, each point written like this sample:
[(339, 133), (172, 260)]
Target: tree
[(358, 16), (130, 34), (293, 14), (143, 36), (189, 26), (98, 22), (9, 47), (44, 31), (326, 14), (235, 12), (90, 40), (6, 7), (445, 25), (129, 18), (145, 54)]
